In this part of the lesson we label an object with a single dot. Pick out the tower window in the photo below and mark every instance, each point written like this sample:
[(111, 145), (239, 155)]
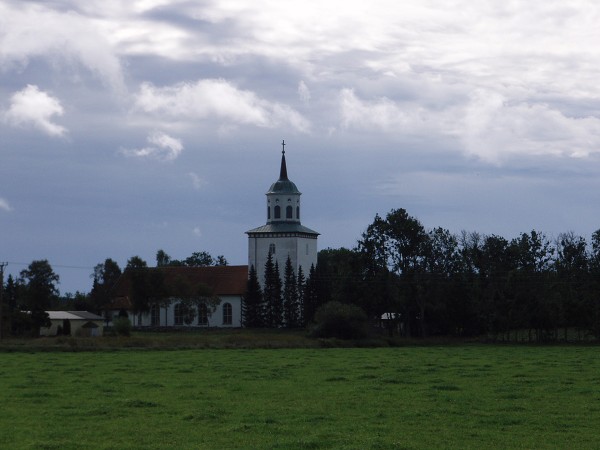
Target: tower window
[(272, 249), (278, 212), (288, 212), (268, 212), (297, 213)]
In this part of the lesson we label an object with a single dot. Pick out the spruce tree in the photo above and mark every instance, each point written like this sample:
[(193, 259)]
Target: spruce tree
[(269, 292), (290, 296), (277, 300), (252, 305), (300, 284), (310, 297)]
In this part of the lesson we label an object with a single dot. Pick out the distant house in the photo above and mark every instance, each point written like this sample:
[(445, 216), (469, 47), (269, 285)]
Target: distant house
[(225, 283), (76, 323)]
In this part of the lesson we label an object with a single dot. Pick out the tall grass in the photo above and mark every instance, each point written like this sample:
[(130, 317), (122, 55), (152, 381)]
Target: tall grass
[(466, 396)]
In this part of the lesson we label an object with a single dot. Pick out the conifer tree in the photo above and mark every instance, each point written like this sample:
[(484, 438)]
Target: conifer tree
[(277, 300), (252, 305), (290, 296), (270, 292), (300, 284), (311, 300)]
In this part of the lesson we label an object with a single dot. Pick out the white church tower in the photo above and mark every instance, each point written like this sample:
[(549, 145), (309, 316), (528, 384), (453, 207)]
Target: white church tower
[(283, 235)]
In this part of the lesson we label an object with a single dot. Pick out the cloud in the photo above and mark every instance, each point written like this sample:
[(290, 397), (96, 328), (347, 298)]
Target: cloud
[(162, 147), (496, 128), (32, 107), (216, 99), (382, 114), (197, 231), (303, 92), (4, 205), (197, 181), (35, 31)]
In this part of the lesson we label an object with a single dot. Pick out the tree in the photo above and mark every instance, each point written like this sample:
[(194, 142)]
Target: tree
[(137, 271), (199, 259), (572, 269), (398, 245), (290, 296), (310, 299), (39, 282), (301, 283), (272, 294), (339, 320), (105, 278), (162, 259), (252, 304)]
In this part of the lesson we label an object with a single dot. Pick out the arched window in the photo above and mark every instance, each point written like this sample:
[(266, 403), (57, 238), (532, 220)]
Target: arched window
[(227, 314), (288, 212), (155, 315), (268, 212), (202, 315), (179, 311), (278, 212), (297, 213)]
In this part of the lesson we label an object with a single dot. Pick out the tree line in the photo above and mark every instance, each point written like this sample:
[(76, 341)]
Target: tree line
[(420, 282), (26, 298)]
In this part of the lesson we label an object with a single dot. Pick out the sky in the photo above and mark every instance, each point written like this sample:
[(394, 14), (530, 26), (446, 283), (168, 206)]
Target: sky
[(129, 127)]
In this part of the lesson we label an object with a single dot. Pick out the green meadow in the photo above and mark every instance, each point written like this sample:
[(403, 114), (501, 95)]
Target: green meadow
[(463, 396)]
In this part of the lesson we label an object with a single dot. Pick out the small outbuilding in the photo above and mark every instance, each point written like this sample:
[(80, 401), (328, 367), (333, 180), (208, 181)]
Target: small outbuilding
[(75, 323)]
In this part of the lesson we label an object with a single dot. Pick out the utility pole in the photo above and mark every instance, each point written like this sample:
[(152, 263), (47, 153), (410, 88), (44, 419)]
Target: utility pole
[(2, 266)]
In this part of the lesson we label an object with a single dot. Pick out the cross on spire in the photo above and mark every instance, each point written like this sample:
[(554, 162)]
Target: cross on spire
[(283, 170)]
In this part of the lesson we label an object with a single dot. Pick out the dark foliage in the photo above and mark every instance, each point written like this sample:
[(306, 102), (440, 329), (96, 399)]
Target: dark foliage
[(339, 320)]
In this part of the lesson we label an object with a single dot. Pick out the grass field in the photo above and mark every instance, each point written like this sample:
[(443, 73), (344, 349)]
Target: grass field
[(469, 396)]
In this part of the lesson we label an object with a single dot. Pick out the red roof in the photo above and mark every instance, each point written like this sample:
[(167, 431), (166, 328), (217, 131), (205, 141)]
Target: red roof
[(223, 280)]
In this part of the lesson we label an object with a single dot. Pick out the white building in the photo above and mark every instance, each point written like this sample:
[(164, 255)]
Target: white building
[(283, 235)]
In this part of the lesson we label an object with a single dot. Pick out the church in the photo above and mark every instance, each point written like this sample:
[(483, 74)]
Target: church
[(282, 236)]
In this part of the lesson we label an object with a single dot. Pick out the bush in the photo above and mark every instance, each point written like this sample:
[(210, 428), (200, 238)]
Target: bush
[(122, 326), (339, 320)]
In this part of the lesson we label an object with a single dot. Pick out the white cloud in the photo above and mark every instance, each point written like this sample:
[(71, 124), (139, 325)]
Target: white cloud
[(496, 128), (216, 99), (197, 231), (5, 205), (303, 92), (197, 181), (382, 114), (162, 147), (32, 107), (35, 31)]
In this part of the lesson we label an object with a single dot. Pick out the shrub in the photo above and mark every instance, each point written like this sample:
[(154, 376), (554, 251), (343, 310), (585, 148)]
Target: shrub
[(339, 320), (122, 326)]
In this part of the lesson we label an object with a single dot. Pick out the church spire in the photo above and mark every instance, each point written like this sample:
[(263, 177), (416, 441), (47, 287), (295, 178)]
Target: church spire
[(283, 170)]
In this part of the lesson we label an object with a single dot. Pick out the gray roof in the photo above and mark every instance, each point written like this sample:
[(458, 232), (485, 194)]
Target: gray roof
[(283, 227), (73, 315), (283, 187)]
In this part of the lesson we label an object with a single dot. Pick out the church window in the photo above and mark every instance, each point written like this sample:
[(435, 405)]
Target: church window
[(155, 316), (268, 212), (278, 212), (227, 314), (179, 311), (288, 212), (202, 315), (297, 213), (272, 249)]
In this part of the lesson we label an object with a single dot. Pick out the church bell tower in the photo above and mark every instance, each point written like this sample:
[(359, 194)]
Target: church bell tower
[(283, 235)]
